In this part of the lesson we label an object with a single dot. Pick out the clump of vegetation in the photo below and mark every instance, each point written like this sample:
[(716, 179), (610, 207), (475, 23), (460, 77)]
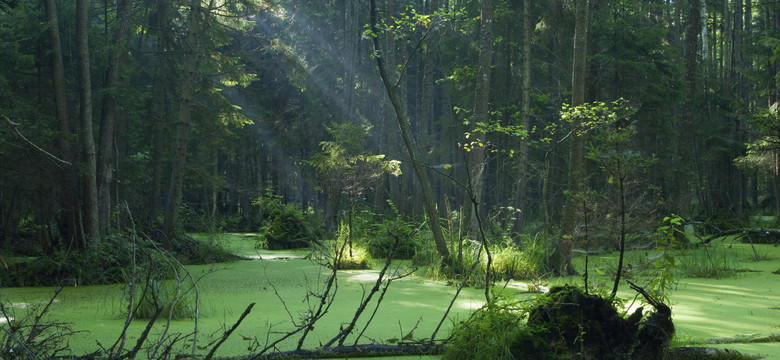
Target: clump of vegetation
[(352, 256), (167, 297), (561, 323), (709, 262), (358, 258), (109, 262), (509, 263), (284, 225), (496, 331), (380, 241)]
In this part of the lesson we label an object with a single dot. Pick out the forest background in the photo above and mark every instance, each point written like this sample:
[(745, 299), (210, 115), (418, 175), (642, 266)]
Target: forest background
[(191, 115)]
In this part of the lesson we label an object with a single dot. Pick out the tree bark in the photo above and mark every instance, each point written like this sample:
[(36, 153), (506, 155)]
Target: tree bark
[(89, 177), (409, 142), (477, 160), (522, 159), (686, 146), (183, 126), (108, 114), (562, 256), (158, 132), (69, 228)]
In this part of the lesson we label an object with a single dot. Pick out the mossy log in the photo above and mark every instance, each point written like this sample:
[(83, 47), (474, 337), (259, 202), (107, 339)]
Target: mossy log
[(340, 352), (705, 353)]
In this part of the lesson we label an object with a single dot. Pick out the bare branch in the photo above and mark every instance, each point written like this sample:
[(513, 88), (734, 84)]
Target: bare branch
[(14, 126)]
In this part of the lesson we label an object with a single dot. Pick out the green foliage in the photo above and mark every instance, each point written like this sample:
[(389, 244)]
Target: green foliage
[(562, 324), (287, 229), (353, 256), (496, 331), (283, 226), (509, 262), (410, 238), (210, 248), (665, 267)]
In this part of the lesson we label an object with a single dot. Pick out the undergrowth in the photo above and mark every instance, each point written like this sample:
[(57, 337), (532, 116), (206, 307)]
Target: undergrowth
[(496, 331)]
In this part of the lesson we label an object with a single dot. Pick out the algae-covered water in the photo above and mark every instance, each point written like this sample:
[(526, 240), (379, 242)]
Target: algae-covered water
[(747, 302)]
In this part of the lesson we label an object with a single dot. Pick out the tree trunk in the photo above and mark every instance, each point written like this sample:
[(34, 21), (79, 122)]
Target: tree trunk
[(183, 126), (69, 228), (687, 146), (89, 177), (158, 130), (477, 161), (108, 114), (562, 255), (522, 159), (411, 147)]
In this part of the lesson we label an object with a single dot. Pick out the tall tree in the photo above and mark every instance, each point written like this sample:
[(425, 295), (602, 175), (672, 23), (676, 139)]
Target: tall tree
[(89, 176), (409, 142), (562, 259), (108, 113), (523, 157), (161, 110), (481, 113), (185, 114), (67, 185)]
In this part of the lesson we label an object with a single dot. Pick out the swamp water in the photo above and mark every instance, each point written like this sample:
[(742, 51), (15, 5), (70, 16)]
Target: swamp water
[(748, 302)]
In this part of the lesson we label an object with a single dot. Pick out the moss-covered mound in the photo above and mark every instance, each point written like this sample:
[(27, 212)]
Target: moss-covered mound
[(584, 323), (562, 324)]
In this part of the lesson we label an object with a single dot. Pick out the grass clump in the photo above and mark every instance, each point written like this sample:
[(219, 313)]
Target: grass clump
[(709, 262), (174, 302), (511, 263), (356, 258)]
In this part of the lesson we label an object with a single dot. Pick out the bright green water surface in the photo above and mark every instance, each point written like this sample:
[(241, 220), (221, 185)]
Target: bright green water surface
[(746, 303)]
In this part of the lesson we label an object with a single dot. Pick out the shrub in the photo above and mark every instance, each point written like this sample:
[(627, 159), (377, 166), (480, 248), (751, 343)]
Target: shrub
[(284, 226), (208, 249), (380, 241), (287, 229)]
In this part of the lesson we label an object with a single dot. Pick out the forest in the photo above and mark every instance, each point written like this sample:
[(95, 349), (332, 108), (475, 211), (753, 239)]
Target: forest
[(521, 135)]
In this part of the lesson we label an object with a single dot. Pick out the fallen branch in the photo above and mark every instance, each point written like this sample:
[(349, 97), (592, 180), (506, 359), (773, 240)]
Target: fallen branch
[(14, 126), (340, 352), (227, 333), (760, 231)]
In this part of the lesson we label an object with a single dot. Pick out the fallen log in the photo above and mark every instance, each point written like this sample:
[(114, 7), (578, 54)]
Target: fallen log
[(363, 351), (760, 231)]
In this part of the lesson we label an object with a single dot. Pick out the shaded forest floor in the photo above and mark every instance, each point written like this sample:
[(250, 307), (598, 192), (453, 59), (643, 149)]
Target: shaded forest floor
[(745, 300)]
